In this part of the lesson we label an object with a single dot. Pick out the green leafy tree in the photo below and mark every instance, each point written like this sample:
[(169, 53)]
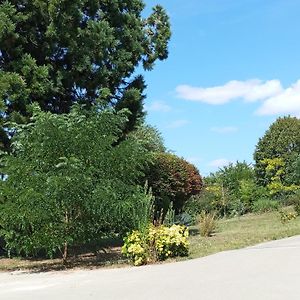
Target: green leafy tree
[(149, 137), (67, 184), (172, 180), (58, 53), (234, 188), (281, 140), (274, 168), (231, 176)]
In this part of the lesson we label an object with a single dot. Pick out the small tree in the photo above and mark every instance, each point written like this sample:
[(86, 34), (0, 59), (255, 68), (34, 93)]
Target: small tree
[(274, 169), (238, 182), (67, 184)]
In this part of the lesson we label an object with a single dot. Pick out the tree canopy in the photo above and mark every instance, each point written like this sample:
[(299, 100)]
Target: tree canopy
[(281, 140), (58, 53)]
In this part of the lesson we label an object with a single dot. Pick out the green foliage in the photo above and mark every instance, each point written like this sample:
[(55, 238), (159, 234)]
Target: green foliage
[(294, 172), (275, 171), (236, 185), (221, 199), (281, 140), (207, 223), (198, 203), (172, 180), (158, 243), (294, 200), (58, 53), (230, 176), (68, 183), (265, 205), (149, 137)]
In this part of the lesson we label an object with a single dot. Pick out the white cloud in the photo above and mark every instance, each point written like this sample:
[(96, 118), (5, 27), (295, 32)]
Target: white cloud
[(219, 163), (224, 130), (287, 102), (249, 90), (158, 106), (177, 124)]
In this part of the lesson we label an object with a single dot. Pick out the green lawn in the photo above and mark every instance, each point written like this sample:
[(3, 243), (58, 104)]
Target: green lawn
[(241, 232), (230, 234)]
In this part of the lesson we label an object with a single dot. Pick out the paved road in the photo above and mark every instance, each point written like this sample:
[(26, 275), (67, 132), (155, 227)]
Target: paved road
[(268, 271)]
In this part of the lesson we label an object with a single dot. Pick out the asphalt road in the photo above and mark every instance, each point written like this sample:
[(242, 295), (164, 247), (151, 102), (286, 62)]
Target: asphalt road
[(267, 271)]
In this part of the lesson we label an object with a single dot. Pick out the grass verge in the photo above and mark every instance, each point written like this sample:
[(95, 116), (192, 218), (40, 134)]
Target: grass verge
[(241, 232)]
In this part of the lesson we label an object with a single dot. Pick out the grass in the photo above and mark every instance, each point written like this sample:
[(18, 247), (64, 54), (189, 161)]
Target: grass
[(241, 232), (230, 234)]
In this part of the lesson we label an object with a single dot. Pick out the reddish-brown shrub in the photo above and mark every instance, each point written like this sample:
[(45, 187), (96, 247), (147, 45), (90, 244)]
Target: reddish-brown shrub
[(173, 179)]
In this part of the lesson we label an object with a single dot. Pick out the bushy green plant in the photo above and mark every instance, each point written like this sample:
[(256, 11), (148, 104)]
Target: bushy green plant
[(265, 205), (207, 224), (157, 243), (70, 180), (233, 188)]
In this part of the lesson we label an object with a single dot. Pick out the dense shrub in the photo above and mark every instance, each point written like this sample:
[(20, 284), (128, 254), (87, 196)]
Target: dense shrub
[(234, 189), (71, 181), (265, 205), (156, 243), (173, 180)]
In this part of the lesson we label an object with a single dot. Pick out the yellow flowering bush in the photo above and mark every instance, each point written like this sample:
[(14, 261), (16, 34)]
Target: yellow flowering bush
[(136, 248), (169, 241), (158, 243)]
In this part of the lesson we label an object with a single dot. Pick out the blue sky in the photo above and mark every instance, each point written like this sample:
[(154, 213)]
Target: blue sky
[(233, 69)]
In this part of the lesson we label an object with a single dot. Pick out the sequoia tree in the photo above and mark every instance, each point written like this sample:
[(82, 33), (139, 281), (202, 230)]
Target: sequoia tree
[(281, 140), (61, 52)]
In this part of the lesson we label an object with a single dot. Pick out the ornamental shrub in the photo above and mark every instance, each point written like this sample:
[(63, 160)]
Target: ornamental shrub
[(156, 244), (173, 180)]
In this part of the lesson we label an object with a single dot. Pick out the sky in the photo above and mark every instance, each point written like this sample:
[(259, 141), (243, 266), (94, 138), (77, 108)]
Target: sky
[(233, 69)]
